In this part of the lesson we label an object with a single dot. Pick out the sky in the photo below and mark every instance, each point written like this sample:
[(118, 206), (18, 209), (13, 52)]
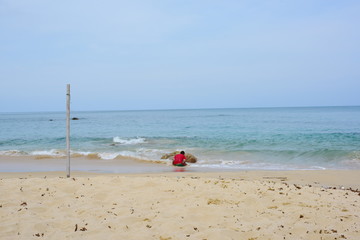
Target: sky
[(180, 54)]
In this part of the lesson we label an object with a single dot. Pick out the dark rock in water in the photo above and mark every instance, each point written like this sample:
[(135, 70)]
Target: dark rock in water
[(189, 157), (51, 120), (75, 118)]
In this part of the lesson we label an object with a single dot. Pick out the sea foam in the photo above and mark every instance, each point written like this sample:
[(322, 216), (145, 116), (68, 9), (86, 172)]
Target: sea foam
[(128, 141)]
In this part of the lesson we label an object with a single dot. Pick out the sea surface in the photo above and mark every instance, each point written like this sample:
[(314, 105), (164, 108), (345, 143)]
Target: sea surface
[(259, 138)]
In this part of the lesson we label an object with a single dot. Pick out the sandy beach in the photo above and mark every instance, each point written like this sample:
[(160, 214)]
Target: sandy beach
[(181, 205)]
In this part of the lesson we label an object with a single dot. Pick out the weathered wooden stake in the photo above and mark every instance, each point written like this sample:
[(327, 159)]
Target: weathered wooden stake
[(68, 128)]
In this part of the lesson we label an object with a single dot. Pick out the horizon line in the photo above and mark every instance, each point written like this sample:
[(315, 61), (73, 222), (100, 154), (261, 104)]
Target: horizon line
[(176, 109)]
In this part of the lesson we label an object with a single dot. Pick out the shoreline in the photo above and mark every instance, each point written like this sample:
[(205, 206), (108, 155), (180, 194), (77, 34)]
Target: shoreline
[(19, 166), (340, 179), (93, 163)]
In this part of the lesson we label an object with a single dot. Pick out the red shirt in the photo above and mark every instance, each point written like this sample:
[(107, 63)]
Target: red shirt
[(179, 158)]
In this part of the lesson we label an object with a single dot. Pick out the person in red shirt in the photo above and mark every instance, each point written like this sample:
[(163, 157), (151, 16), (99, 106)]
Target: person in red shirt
[(179, 159)]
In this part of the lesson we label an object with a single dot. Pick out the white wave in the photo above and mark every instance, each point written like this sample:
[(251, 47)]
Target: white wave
[(151, 150), (113, 155), (140, 155), (101, 155), (11, 153), (130, 141), (52, 152), (82, 153), (108, 156), (317, 168), (250, 165)]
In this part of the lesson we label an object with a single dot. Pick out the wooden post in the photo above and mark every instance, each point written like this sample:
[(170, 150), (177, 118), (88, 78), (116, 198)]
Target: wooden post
[(68, 128)]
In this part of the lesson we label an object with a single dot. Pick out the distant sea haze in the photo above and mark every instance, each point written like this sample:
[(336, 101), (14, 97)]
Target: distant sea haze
[(262, 138)]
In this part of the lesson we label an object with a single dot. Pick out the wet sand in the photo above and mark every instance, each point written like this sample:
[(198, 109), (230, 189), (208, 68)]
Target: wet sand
[(86, 164)]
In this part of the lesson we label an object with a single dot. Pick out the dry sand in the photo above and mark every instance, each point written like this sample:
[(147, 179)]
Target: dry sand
[(226, 205)]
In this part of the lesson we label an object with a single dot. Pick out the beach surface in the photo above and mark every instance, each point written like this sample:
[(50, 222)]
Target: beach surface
[(181, 205)]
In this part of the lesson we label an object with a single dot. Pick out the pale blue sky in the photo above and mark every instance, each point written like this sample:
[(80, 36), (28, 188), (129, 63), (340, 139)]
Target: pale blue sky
[(121, 55)]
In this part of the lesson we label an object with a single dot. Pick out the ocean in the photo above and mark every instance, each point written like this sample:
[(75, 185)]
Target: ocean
[(308, 138)]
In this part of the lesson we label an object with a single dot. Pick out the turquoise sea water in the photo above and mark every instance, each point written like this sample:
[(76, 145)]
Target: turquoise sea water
[(259, 138)]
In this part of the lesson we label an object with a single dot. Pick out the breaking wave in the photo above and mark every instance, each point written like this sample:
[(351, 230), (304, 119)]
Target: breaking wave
[(216, 160), (130, 141)]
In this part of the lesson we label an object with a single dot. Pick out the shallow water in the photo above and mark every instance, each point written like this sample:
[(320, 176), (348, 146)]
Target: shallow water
[(261, 138)]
